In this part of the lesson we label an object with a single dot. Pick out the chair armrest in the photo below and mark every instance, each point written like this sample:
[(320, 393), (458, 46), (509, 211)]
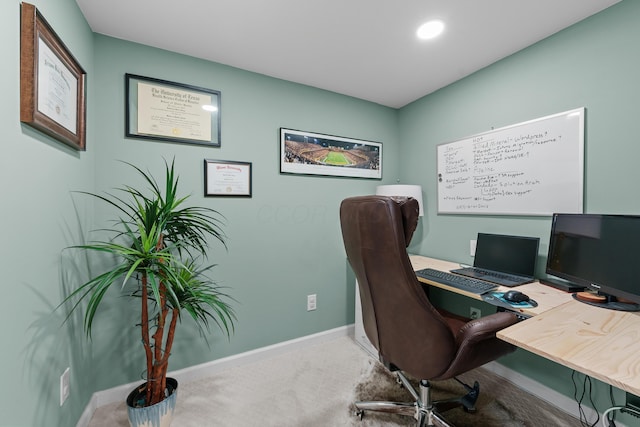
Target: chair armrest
[(478, 344), (485, 327)]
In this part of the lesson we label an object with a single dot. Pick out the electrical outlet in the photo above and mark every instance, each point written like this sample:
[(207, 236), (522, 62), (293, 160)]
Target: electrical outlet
[(65, 388), (472, 247), (475, 313), (311, 302)]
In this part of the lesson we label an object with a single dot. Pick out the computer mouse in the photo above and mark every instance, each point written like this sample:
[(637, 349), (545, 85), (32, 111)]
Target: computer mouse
[(515, 296)]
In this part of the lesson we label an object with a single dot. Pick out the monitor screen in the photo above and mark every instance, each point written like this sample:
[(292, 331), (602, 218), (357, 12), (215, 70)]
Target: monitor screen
[(597, 251), (508, 254)]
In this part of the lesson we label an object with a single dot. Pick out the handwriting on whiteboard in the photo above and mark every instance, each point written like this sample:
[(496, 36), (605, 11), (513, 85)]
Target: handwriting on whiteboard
[(523, 168)]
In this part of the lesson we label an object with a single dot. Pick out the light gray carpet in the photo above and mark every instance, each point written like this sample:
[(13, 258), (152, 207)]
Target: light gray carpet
[(307, 387), (501, 403), (316, 386)]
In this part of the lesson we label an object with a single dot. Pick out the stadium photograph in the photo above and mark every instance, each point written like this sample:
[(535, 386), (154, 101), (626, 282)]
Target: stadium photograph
[(317, 154)]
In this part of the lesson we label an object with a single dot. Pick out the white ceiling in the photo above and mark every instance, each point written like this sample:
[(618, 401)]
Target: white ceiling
[(362, 48)]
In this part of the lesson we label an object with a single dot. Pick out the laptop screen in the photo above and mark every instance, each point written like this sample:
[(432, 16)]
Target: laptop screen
[(507, 254)]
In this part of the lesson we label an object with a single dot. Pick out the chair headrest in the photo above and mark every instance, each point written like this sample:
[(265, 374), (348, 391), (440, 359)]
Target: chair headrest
[(407, 207), (410, 214)]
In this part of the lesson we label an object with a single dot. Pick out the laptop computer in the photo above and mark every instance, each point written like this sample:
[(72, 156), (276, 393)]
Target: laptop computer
[(504, 260)]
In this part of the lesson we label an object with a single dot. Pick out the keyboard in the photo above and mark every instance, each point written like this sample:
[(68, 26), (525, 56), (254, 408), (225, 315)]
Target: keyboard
[(500, 278), (498, 275), (468, 284)]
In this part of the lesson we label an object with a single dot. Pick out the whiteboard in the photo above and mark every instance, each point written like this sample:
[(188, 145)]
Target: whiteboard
[(530, 168)]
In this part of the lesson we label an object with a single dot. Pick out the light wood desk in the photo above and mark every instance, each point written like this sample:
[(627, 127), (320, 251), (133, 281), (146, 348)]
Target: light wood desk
[(546, 296), (601, 343)]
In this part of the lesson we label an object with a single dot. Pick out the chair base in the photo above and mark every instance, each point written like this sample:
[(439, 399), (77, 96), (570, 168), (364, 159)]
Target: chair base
[(423, 409)]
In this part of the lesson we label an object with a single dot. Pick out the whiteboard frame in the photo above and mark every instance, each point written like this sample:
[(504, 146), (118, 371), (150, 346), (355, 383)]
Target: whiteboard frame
[(580, 167)]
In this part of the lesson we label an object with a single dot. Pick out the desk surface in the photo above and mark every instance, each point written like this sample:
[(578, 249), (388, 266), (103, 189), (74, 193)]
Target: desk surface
[(599, 342), (602, 343), (546, 296)]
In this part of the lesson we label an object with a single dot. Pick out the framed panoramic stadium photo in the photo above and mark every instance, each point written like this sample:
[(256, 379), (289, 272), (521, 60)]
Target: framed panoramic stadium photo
[(309, 153)]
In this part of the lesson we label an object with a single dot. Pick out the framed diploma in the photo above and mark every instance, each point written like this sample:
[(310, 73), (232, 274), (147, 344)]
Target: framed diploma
[(166, 111), (52, 83), (225, 178)]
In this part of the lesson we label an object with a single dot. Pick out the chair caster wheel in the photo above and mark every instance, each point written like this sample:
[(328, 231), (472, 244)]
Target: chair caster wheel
[(360, 414)]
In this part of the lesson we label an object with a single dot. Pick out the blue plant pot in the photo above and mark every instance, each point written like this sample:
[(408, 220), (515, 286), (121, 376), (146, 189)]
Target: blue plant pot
[(158, 415)]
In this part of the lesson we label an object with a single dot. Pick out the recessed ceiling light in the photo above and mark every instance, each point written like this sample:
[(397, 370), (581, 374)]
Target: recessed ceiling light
[(430, 29)]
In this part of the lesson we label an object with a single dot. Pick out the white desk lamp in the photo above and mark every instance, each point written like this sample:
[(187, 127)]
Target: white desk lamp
[(414, 191)]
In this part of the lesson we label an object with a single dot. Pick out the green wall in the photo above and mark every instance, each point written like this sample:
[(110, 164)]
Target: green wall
[(593, 64), (284, 242), (38, 220)]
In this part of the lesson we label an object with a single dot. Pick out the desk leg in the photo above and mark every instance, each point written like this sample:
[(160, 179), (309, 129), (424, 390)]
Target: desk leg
[(360, 335)]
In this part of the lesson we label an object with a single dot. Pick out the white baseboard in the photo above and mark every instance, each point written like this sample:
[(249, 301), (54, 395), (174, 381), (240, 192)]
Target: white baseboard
[(85, 418), (115, 394), (559, 400)]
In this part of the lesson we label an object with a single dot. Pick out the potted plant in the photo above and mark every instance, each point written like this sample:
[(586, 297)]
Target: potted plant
[(158, 244)]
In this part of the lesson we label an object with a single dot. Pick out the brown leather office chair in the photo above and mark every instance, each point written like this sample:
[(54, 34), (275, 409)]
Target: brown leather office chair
[(410, 334)]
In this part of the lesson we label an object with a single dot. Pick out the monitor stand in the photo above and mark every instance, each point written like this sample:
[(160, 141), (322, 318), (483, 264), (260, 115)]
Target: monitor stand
[(563, 285), (605, 301)]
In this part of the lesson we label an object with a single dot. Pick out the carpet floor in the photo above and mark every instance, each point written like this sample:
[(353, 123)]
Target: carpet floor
[(317, 385)]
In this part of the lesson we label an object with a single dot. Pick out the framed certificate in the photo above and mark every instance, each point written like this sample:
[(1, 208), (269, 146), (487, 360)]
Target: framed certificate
[(52, 83), (166, 111), (226, 178)]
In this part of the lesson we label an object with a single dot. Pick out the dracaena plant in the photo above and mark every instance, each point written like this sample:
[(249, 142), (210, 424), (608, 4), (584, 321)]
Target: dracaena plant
[(158, 243)]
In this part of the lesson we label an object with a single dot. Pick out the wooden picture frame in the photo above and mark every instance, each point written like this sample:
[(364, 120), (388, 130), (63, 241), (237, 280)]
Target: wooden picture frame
[(162, 110), (223, 178), (52, 82), (309, 153)]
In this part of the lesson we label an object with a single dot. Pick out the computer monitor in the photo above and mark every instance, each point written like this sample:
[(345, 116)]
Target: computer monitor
[(600, 252), (507, 254)]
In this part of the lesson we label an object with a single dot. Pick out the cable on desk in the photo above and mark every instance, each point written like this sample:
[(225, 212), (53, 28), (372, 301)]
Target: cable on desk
[(606, 421), (583, 417), (605, 415)]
